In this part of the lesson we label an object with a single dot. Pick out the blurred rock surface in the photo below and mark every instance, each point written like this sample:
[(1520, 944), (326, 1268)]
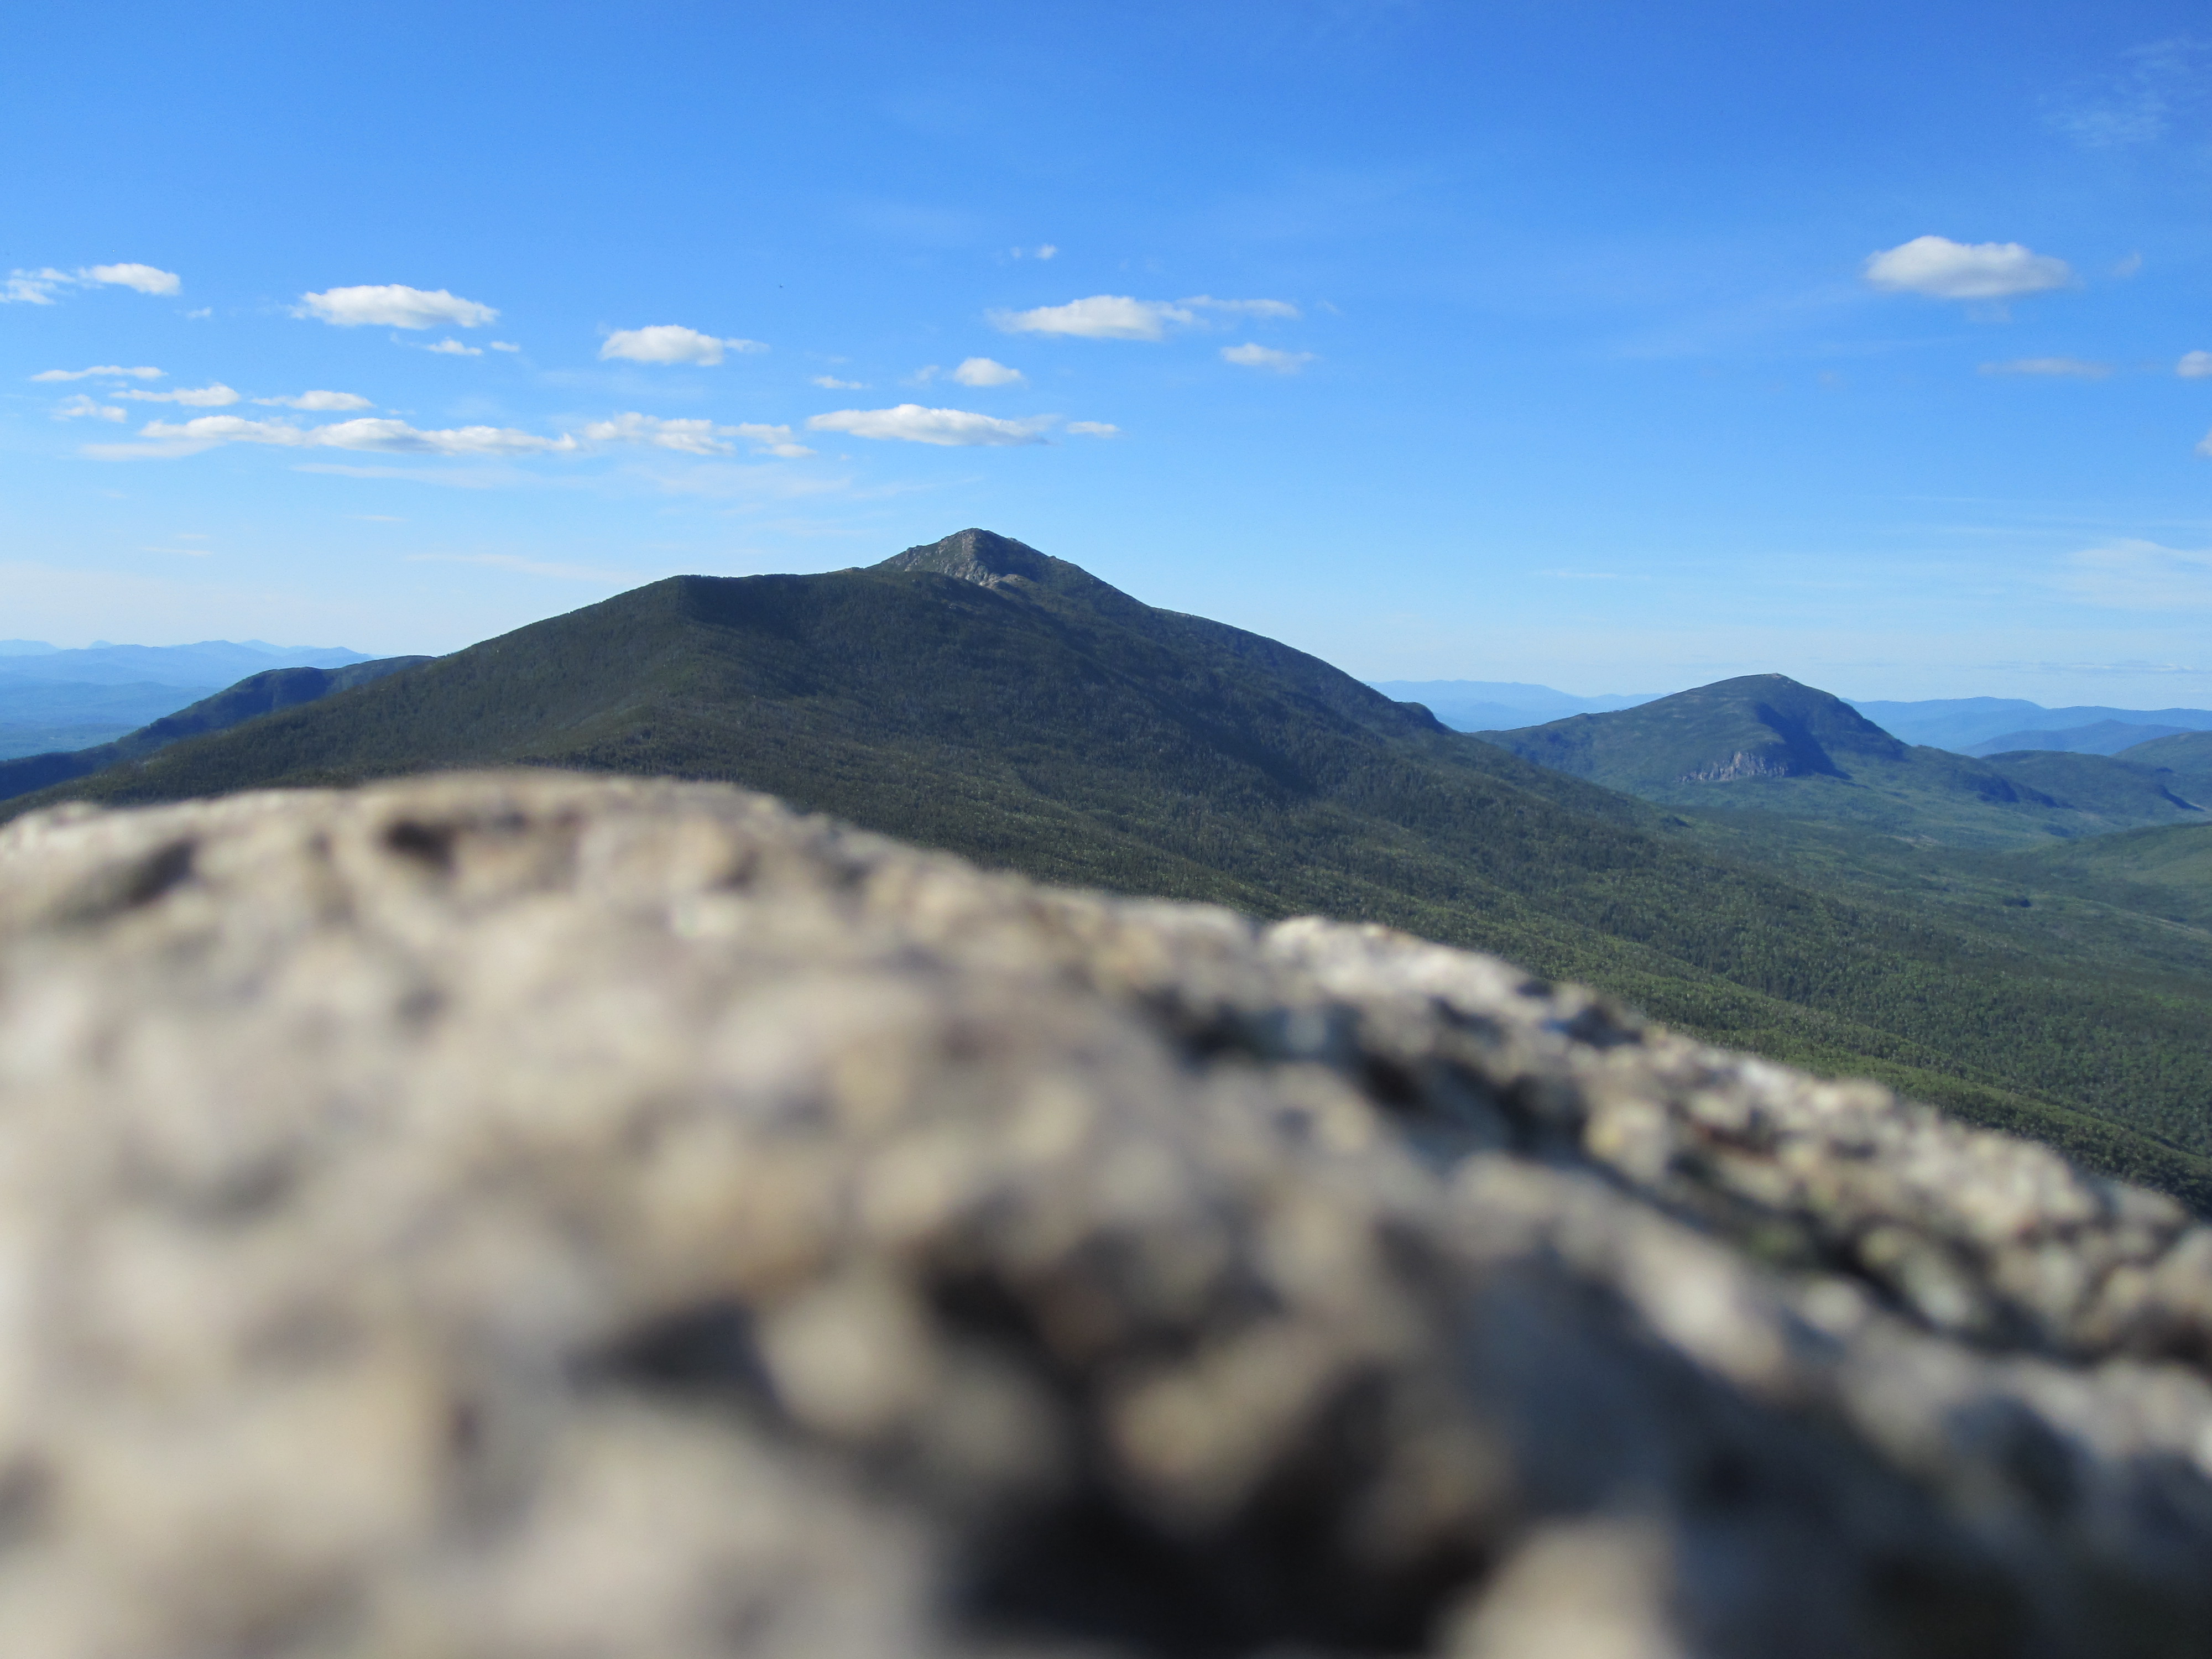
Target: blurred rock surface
[(539, 1217)]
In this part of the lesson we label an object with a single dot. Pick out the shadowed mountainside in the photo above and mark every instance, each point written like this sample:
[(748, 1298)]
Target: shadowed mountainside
[(978, 696), (2186, 755)]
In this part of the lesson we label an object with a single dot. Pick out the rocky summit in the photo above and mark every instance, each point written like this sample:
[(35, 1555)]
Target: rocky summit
[(527, 1216)]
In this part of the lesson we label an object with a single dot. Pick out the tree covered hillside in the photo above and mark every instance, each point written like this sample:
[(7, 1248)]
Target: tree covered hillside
[(977, 695)]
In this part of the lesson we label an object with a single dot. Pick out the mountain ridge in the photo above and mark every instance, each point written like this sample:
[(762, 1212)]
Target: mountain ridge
[(1958, 723), (1776, 745), (2100, 737), (1048, 723), (257, 695), (1483, 705)]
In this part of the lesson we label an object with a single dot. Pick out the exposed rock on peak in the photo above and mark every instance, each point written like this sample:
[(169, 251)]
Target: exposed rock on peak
[(1006, 566), (514, 1215), (980, 556)]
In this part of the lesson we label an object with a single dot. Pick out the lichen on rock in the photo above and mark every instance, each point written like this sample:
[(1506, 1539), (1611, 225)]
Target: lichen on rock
[(539, 1216)]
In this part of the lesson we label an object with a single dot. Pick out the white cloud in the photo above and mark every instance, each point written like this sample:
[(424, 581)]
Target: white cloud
[(217, 396), (953, 428), (2162, 82), (1259, 357), (2194, 365), (147, 279), (1945, 269), (666, 343), (2076, 367), (2140, 575), (693, 437), (1094, 428), (37, 288), (503, 345), (32, 287), (393, 437), (981, 371), (450, 347), (81, 407), (1101, 316), (1042, 251), (1276, 310), (321, 403), (380, 435), (775, 440), (832, 383), (1118, 317), (397, 438), (104, 372), (394, 305)]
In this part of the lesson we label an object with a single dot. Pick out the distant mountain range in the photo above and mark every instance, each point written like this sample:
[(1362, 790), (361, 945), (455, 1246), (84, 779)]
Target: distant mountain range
[(1966, 726), (255, 695), (1482, 705), (1971, 726), (2104, 737), (55, 699), (220, 661), (1765, 743), (977, 694)]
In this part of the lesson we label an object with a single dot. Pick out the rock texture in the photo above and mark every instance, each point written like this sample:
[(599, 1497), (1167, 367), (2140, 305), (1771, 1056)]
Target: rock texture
[(534, 1217)]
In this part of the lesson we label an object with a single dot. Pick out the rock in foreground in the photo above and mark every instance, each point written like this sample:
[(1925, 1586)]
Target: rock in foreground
[(532, 1217)]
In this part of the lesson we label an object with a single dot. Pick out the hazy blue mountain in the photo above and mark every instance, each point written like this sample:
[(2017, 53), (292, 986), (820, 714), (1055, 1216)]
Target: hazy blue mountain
[(260, 694), (32, 738), (1484, 705), (36, 716), (53, 699), (1765, 742), (1960, 723), (209, 663), (2105, 738)]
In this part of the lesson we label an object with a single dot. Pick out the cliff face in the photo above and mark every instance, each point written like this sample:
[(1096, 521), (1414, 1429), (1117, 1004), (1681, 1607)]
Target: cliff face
[(531, 1215), (1744, 764)]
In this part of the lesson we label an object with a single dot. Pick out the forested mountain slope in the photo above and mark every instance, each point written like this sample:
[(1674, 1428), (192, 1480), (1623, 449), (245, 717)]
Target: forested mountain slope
[(1765, 742), (978, 696), (254, 695)]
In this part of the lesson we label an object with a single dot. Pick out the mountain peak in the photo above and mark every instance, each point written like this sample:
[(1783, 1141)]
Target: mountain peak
[(982, 557), (1006, 566), (1756, 725)]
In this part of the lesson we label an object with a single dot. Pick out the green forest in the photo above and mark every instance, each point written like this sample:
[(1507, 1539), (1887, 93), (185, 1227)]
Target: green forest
[(978, 696)]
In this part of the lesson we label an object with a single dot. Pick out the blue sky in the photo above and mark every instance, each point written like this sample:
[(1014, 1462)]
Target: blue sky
[(1596, 344)]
